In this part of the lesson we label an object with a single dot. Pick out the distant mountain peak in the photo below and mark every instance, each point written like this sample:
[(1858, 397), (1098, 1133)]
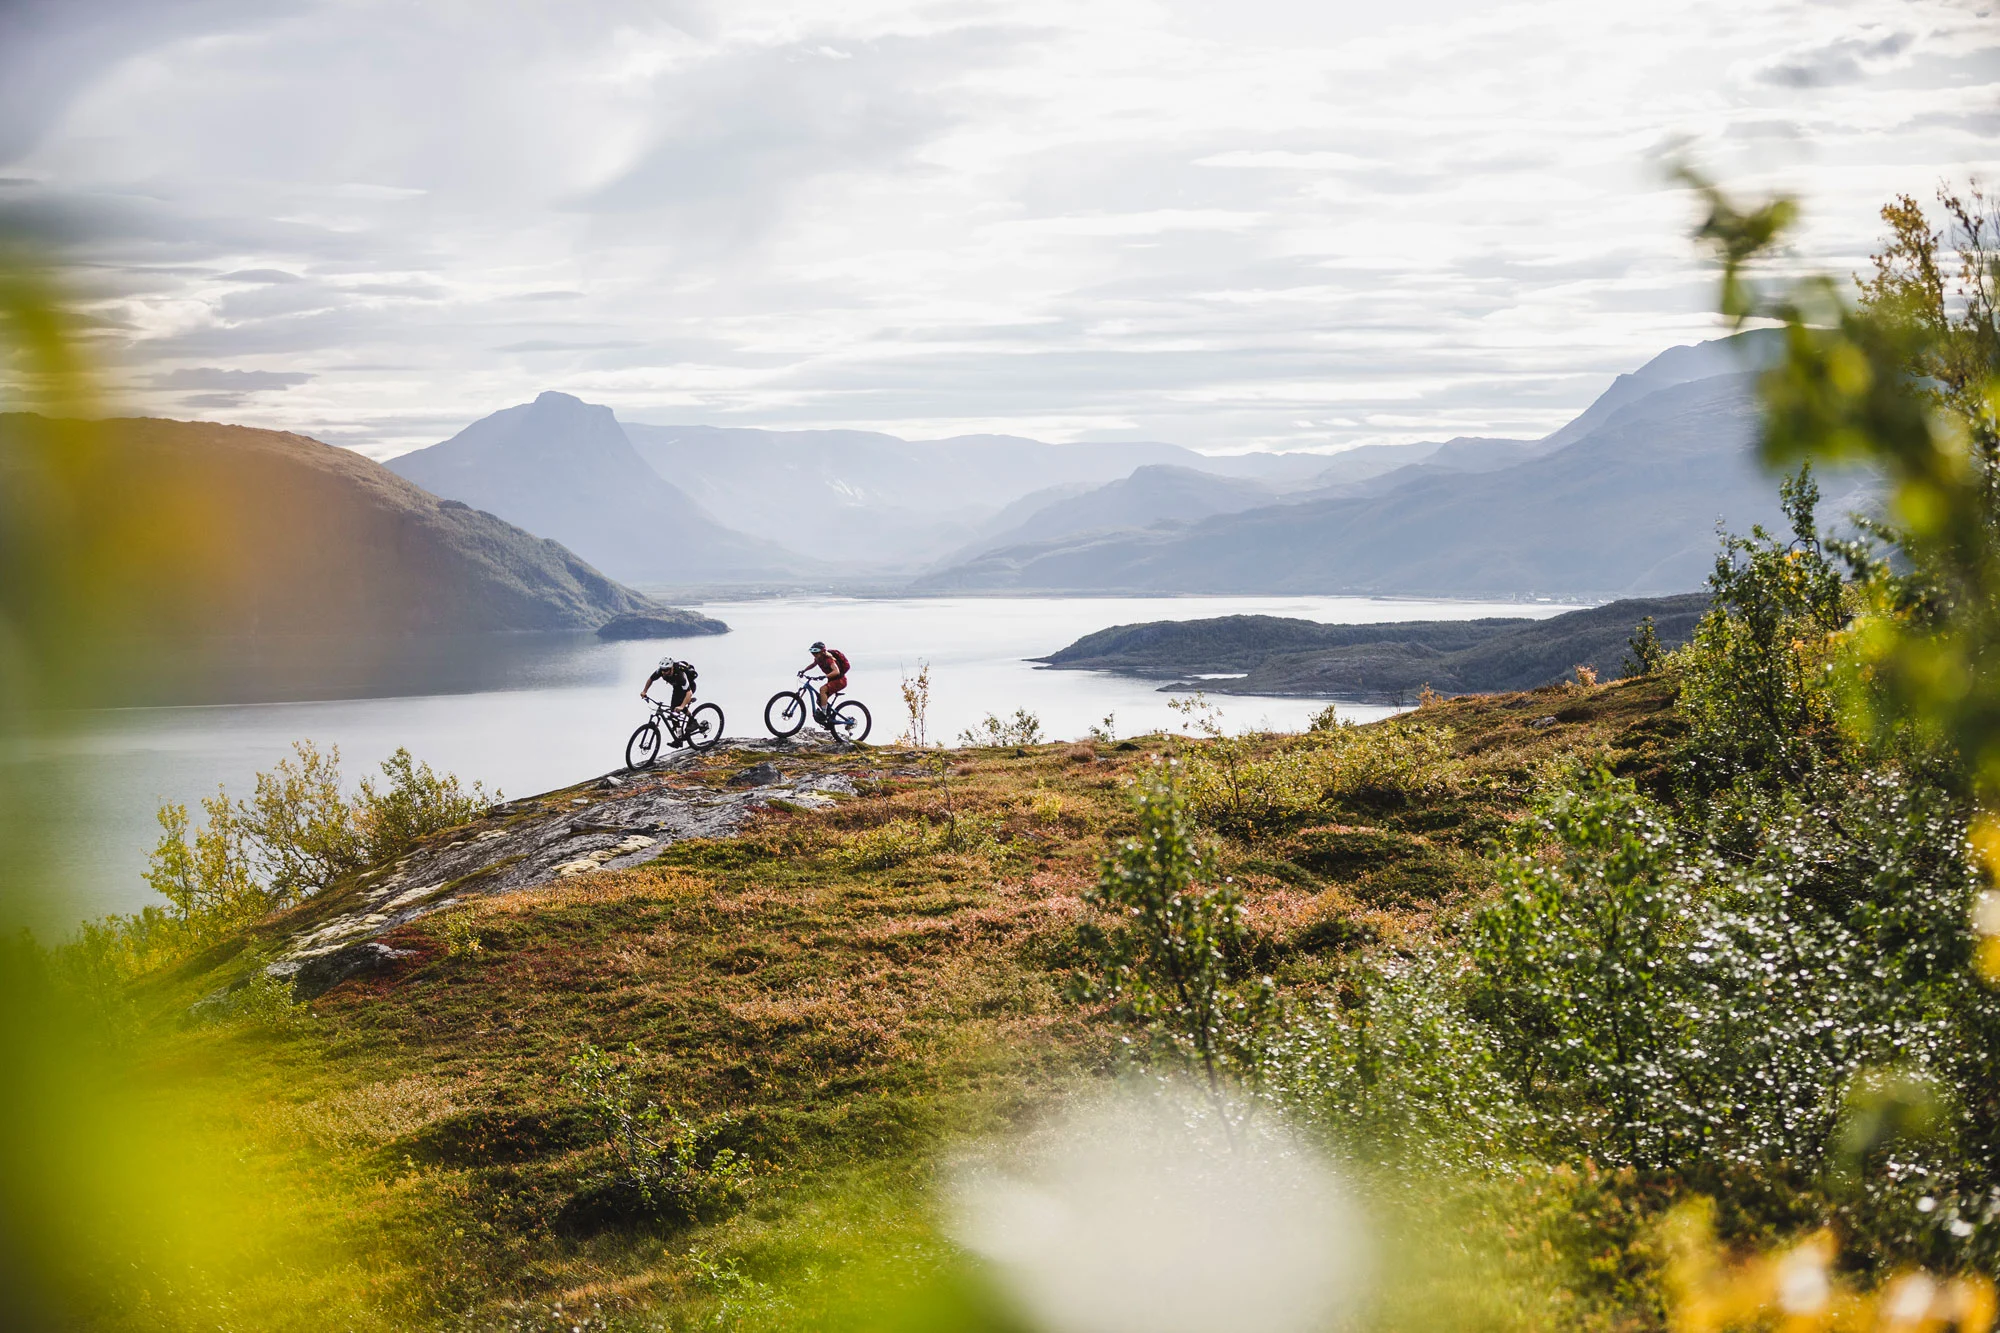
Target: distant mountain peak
[(566, 469)]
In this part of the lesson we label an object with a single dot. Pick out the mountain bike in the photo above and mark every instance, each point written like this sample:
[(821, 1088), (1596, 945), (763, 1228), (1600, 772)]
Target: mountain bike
[(848, 720), (700, 727)]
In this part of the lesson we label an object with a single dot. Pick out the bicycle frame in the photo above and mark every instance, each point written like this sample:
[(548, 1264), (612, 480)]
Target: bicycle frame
[(810, 698), (673, 721)]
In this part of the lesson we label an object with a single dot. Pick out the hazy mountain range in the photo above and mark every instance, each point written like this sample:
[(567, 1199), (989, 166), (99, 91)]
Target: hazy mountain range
[(1629, 508), (1624, 500), (863, 501)]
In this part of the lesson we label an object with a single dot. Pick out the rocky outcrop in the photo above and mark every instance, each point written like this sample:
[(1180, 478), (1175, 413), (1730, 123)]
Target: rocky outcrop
[(618, 822)]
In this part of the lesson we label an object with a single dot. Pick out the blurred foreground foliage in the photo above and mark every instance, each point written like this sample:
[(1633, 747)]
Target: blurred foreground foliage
[(113, 1197)]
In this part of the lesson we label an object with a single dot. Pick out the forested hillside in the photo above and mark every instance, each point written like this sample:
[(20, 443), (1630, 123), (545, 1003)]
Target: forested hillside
[(1275, 655), (296, 536)]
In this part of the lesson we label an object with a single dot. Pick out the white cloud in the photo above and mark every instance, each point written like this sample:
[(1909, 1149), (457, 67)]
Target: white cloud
[(1158, 218)]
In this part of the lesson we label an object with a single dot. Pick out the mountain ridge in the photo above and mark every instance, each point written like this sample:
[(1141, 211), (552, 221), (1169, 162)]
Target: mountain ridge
[(299, 536), (1628, 508)]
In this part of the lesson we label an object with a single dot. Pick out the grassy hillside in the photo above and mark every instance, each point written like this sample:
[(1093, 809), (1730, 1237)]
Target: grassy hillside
[(837, 994)]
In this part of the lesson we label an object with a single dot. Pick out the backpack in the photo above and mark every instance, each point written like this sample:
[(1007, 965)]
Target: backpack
[(839, 660)]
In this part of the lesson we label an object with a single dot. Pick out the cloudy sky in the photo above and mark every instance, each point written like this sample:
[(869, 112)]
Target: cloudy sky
[(1253, 224)]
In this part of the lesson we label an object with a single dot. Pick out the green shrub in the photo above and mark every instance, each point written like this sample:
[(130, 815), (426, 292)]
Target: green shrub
[(900, 841), (663, 1157), (1393, 763), (1024, 728), (1386, 764), (262, 1002), (1169, 965), (1759, 679), (1656, 1005), (210, 885), (417, 803), (1578, 969), (460, 935), (1400, 1070), (297, 836), (887, 845), (1645, 654), (300, 826)]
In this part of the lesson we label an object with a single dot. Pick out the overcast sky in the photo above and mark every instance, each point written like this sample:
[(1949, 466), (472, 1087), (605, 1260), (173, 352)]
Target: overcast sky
[(1234, 225)]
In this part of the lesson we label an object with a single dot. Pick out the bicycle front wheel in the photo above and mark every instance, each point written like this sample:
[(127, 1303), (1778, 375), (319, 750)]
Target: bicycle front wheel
[(644, 747), (784, 715), (851, 722), (704, 727)]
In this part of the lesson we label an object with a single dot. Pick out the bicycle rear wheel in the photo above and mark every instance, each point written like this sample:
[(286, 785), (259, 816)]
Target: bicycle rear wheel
[(851, 722), (784, 714), (644, 747), (704, 727)]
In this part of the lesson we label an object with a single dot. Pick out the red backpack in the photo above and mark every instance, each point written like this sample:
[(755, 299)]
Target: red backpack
[(839, 661)]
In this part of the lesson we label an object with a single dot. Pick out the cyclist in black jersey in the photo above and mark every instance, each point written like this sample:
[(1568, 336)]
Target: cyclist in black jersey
[(681, 675)]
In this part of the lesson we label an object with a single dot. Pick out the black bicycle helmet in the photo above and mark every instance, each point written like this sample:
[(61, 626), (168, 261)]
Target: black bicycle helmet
[(818, 647)]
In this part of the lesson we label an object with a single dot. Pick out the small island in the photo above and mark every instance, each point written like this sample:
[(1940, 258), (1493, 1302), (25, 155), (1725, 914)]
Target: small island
[(666, 623)]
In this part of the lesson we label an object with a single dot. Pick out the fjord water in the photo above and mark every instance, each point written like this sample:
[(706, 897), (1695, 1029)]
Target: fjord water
[(528, 713)]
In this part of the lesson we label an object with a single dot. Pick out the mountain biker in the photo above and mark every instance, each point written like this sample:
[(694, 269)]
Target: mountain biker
[(681, 675), (833, 663)]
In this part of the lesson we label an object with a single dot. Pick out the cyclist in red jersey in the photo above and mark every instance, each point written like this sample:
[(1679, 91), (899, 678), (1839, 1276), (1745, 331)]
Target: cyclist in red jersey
[(833, 663)]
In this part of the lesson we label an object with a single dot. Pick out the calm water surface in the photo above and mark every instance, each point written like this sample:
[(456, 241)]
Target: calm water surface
[(552, 710)]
